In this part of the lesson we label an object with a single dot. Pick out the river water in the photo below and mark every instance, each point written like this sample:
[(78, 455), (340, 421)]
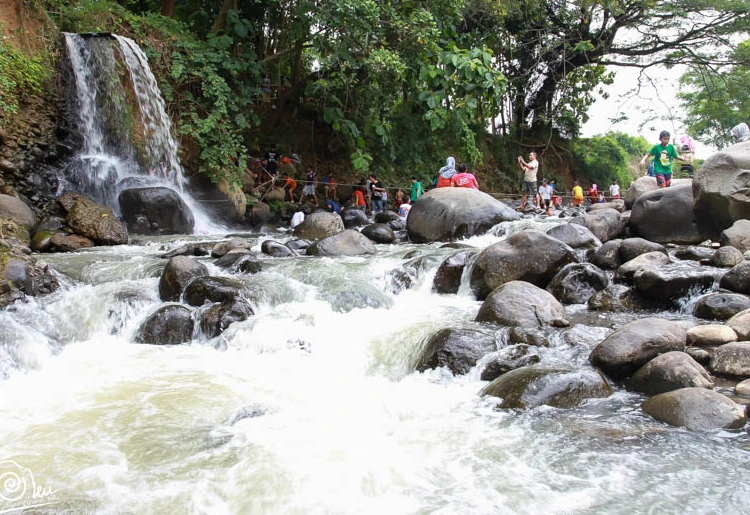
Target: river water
[(312, 406)]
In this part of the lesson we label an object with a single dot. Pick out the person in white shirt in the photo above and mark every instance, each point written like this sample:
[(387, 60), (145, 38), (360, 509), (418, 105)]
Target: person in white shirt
[(403, 209), (297, 218), (529, 177), (614, 190), (545, 195)]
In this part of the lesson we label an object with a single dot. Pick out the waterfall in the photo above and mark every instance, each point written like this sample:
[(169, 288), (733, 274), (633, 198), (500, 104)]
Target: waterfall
[(123, 145)]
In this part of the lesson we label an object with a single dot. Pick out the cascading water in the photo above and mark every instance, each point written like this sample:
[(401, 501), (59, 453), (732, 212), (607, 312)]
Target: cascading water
[(313, 405), (120, 147)]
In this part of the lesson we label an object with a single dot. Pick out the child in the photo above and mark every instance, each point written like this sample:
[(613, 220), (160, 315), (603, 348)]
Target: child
[(577, 195), (664, 154)]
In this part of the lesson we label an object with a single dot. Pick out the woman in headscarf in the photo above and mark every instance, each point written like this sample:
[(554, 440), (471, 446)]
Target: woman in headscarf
[(446, 172), (740, 133)]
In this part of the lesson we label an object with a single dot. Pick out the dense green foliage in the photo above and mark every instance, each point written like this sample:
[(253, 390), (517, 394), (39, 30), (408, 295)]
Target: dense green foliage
[(20, 75), (717, 100), (604, 159)]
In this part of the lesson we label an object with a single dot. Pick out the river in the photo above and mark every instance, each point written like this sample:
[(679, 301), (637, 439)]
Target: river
[(312, 406)]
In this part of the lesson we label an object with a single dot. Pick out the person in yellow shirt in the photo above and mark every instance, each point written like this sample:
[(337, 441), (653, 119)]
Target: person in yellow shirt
[(577, 195)]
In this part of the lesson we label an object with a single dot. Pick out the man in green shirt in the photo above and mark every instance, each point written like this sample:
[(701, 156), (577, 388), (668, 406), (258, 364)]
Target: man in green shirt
[(664, 155), (416, 189)]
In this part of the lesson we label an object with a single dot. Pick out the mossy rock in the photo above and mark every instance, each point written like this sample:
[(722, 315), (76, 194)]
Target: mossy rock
[(10, 229)]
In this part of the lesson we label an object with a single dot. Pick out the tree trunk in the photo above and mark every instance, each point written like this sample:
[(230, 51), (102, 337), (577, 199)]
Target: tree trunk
[(221, 20), (167, 8)]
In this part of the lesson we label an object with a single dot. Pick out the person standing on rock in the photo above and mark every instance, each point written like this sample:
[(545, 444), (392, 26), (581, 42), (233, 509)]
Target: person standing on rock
[(577, 195), (530, 170), (664, 154), (614, 190), (309, 189), (416, 190), (545, 193)]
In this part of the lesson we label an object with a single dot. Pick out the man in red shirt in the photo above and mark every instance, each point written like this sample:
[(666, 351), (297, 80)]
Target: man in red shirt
[(463, 179)]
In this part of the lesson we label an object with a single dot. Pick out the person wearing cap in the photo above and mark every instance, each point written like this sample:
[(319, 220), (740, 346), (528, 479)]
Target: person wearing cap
[(664, 154)]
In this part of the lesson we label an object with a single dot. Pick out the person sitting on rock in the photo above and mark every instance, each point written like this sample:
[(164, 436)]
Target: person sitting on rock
[(446, 173), (740, 132), (297, 218), (403, 210), (463, 179)]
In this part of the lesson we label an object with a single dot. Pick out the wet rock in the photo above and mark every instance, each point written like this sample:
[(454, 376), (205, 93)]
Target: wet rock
[(720, 187), (94, 221), (276, 249), (534, 336), (298, 246), (702, 356), (354, 217), (606, 224), (384, 217), (737, 236), (41, 242), (666, 216), (737, 279), (319, 225), (518, 303), (631, 248), (534, 386), (346, 243), (259, 214), (608, 255), (507, 359), (399, 225), (646, 261), (575, 235), (13, 208), (618, 298), (457, 349), (240, 261), (667, 372), (743, 388), (577, 282), (379, 232), (212, 289), (530, 256), (711, 335), (635, 344), (732, 359), (726, 257), (224, 247), (177, 274), (449, 273), (721, 306), (445, 214), (696, 409), (694, 253), (215, 319), (673, 282), (191, 249), (616, 204), (168, 325), (162, 209), (61, 242)]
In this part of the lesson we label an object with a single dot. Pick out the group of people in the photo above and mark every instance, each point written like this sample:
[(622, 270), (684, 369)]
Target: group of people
[(448, 176)]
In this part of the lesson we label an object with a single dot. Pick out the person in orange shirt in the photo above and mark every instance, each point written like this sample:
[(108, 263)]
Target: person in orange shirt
[(290, 186), (358, 198)]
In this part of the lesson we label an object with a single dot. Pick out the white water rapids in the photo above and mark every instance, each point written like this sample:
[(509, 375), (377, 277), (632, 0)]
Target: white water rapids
[(312, 407)]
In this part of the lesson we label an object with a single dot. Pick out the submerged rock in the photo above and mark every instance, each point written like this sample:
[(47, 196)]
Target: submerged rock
[(168, 325), (457, 349), (534, 386), (449, 273)]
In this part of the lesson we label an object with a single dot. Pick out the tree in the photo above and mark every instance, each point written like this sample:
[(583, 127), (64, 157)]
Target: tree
[(717, 99), (555, 51)]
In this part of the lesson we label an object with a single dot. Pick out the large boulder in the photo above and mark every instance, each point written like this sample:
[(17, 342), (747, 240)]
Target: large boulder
[(726, 257), (347, 243), (354, 217), (720, 190), (13, 208), (63, 242), (635, 344), (721, 306), (631, 248), (710, 335), (647, 261), (518, 303), (666, 216), (644, 185), (22, 274), (534, 386), (608, 255), (606, 224), (667, 372), (168, 325), (737, 236), (155, 211), (737, 279), (696, 409), (457, 349), (577, 282), (177, 274), (95, 221), (529, 256), (445, 214), (319, 225)]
